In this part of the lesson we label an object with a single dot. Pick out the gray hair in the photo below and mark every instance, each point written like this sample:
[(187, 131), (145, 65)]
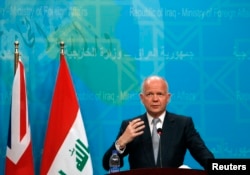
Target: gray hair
[(154, 77)]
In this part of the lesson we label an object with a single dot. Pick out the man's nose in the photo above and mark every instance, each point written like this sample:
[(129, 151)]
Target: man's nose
[(155, 97)]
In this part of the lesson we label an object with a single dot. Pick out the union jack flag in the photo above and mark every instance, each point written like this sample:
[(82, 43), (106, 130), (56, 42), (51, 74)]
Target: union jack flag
[(19, 157)]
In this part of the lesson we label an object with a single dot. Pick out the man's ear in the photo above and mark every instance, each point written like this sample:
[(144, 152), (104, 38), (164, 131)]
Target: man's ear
[(169, 98)]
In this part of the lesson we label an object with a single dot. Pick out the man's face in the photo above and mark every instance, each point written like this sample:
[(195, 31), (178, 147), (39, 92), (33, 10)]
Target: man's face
[(155, 96)]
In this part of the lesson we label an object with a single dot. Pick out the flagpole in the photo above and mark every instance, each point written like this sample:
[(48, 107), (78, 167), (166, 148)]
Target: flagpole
[(16, 55), (62, 48)]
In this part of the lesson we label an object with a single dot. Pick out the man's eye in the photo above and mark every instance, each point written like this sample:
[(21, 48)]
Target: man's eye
[(149, 95)]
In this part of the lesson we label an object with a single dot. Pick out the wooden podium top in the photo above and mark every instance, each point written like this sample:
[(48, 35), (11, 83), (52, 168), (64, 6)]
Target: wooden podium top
[(162, 171)]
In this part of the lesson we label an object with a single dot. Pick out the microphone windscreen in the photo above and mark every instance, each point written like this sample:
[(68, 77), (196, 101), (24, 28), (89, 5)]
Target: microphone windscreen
[(159, 131)]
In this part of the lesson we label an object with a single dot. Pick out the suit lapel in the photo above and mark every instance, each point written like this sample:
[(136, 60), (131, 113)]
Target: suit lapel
[(147, 142), (167, 136)]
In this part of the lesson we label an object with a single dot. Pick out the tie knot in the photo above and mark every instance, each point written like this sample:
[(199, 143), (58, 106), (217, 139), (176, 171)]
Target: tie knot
[(155, 121)]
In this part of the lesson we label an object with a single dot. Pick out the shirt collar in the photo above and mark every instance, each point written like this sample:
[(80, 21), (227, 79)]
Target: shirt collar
[(162, 117)]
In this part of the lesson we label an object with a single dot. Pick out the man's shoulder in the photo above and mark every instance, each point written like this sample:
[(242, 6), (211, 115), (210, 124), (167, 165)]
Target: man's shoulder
[(175, 116), (142, 116)]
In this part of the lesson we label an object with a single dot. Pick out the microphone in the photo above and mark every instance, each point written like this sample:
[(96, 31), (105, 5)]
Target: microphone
[(159, 131)]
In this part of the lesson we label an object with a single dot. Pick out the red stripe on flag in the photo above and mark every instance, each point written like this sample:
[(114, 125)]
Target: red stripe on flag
[(62, 115), (22, 103)]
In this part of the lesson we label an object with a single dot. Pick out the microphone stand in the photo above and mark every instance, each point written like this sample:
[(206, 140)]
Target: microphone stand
[(159, 131)]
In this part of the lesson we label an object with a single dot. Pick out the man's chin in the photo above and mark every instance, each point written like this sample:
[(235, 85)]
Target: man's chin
[(155, 113)]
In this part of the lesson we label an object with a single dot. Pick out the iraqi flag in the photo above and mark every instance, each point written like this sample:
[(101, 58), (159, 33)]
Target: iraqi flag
[(66, 146), (19, 157)]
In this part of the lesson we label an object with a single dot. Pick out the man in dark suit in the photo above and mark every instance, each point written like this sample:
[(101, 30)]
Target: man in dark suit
[(178, 133)]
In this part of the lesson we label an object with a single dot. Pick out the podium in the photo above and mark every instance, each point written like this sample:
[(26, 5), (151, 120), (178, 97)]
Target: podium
[(162, 171)]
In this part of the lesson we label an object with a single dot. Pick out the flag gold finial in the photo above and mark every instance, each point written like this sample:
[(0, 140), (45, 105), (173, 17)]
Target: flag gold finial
[(16, 55), (62, 47)]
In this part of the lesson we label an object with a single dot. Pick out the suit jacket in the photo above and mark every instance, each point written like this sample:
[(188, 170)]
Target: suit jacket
[(178, 135)]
